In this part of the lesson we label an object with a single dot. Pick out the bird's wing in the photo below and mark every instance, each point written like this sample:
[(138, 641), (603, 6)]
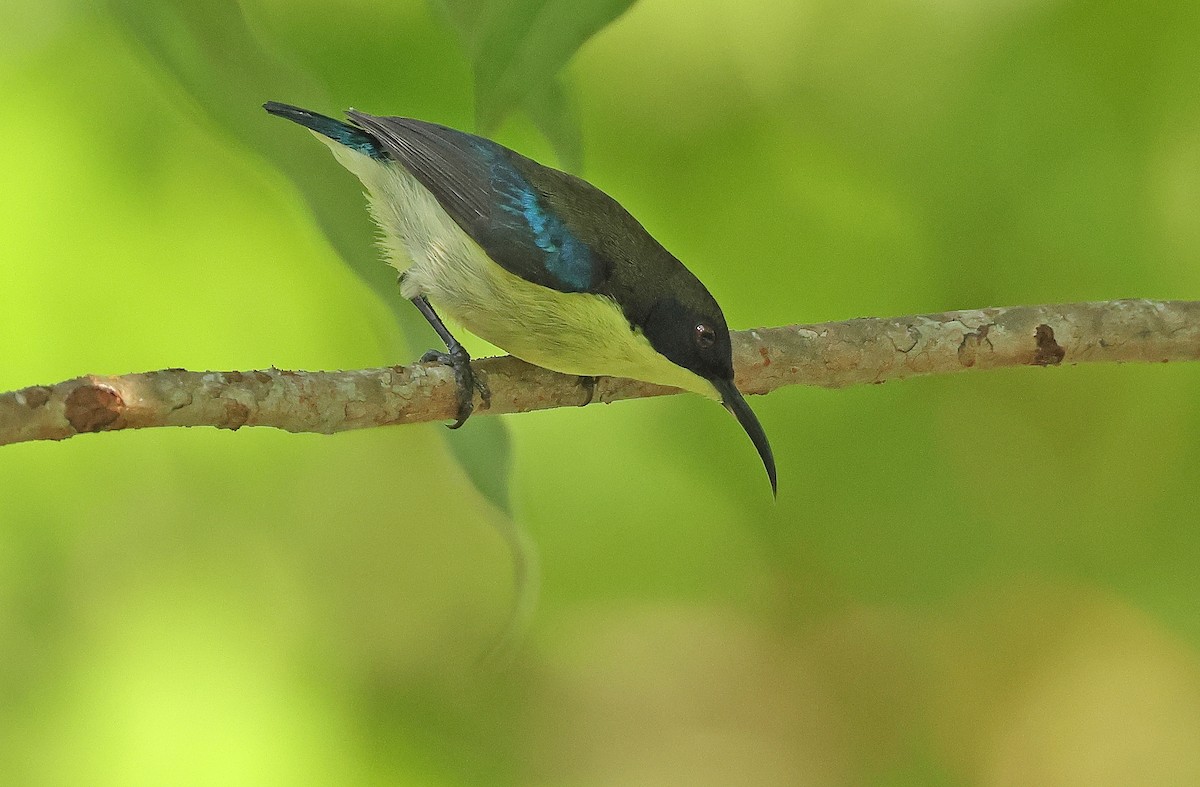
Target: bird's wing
[(480, 184)]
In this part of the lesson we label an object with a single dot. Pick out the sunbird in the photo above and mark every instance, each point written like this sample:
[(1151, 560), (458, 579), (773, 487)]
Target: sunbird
[(535, 260)]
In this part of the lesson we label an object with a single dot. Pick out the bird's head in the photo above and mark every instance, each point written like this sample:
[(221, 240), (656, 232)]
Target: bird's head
[(696, 337)]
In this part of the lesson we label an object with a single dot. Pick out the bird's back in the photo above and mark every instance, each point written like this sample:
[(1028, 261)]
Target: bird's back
[(539, 223)]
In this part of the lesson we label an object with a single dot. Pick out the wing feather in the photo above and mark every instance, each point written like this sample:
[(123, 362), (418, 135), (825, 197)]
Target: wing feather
[(481, 186)]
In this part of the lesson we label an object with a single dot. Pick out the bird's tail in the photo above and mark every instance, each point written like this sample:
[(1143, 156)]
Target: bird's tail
[(344, 133)]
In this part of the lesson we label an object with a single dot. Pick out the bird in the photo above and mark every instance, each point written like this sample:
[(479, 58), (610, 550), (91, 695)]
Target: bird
[(536, 261)]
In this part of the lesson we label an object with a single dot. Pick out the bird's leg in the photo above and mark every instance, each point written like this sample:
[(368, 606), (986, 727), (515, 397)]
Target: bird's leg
[(455, 357), (588, 384)]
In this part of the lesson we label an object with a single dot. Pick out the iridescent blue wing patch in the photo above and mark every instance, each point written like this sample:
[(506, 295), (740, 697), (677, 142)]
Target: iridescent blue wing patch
[(481, 186)]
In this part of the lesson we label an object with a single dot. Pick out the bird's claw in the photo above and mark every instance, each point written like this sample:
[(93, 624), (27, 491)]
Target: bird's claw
[(588, 384), (464, 378)]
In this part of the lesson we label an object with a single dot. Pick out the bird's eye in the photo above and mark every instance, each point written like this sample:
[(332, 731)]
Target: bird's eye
[(705, 336)]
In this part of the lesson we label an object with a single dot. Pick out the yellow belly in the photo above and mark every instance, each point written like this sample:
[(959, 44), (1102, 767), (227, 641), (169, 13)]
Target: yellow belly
[(573, 333)]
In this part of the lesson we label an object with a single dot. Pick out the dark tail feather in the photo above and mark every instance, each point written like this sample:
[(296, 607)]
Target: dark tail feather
[(350, 136)]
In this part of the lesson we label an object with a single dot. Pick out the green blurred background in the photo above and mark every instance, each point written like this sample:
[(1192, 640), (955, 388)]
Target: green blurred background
[(987, 579)]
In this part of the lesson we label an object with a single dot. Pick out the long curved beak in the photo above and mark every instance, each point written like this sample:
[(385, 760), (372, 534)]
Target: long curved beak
[(731, 397)]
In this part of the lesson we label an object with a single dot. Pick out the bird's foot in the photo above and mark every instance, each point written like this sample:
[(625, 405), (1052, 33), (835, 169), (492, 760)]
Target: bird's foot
[(458, 360), (588, 384)]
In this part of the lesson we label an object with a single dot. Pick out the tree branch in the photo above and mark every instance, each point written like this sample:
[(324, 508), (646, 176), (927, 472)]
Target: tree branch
[(835, 354)]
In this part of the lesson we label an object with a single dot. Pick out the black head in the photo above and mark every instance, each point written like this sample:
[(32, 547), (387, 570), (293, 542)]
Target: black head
[(697, 338)]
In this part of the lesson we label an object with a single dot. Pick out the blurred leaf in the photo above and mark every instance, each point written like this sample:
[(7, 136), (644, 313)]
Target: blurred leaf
[(552, 110), (517, 48), (212, 53), (208, 49), (491, 478)]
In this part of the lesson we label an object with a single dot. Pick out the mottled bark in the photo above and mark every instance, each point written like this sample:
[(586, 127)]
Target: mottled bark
[(835, 354)]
